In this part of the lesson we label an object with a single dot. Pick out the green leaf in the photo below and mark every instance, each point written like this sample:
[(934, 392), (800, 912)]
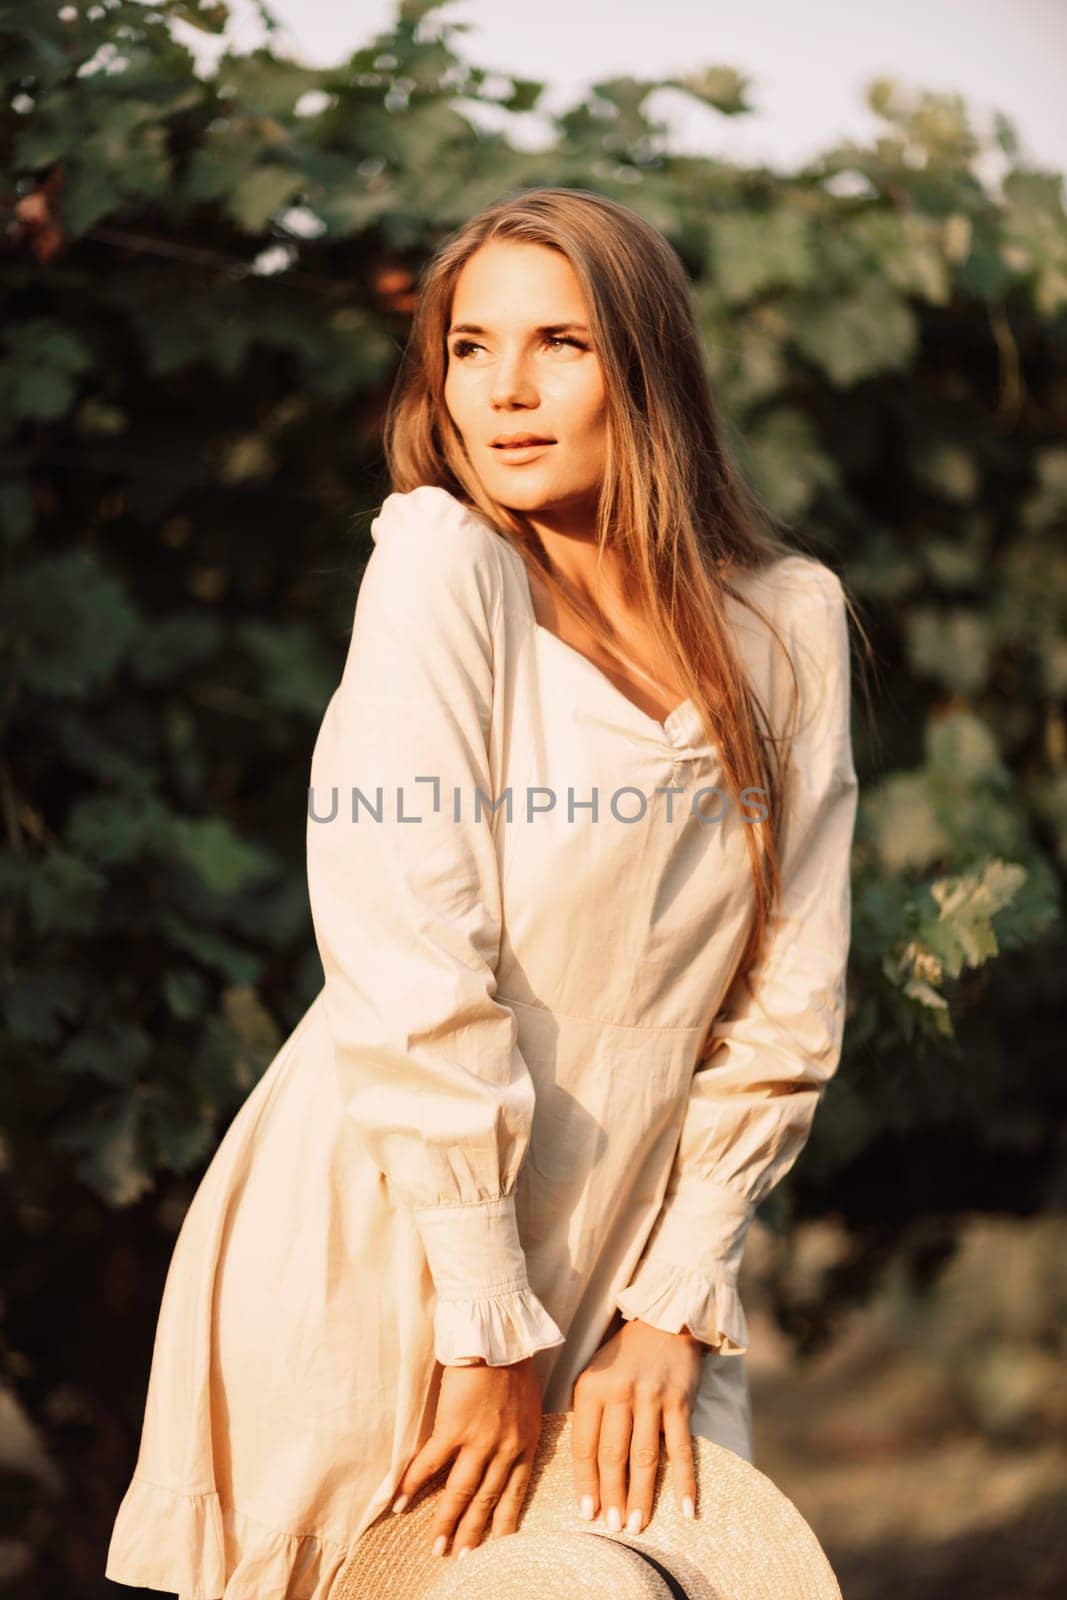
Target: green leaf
[(116, 829), (849, 337), (964, 748), (905, 251), (290, 667), (953, 564), (38, 1004), (112, 1051), (748, 355), (785, 459), (267, 84), (908, 832), (212, 949), (771, 250), (953, 645), (169, 646), (221, 859), (723, 88), (1034, 911), (74, 624), (210, 16), (185, 993), (523, 96), (182, 1130), (63, 894), (253, 202), (109, 1139), (45, 360), (964, 935)]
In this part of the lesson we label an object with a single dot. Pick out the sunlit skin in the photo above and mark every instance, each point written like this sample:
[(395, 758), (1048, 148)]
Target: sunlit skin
[(520, 361), (508, 373)]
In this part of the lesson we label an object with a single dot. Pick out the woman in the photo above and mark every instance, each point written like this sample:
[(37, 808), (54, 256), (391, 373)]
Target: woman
[(578, 859)]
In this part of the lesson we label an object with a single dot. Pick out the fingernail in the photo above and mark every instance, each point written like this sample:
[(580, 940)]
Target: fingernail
[(633, 1522), (688, 1508), (439, 1544), (614, 1519), (400, 1502), (464, 1552), (585, 1508)]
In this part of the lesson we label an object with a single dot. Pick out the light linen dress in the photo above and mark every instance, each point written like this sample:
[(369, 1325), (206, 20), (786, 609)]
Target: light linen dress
[(489, 1136)]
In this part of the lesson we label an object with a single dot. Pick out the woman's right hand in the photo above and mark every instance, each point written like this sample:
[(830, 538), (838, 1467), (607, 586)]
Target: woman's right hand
[(489, 1419)]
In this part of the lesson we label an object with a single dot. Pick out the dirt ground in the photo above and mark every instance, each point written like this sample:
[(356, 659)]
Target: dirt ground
[(927, 1447)]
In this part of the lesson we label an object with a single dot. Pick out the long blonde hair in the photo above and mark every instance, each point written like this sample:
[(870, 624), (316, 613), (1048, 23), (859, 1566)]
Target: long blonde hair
[(673, 504)]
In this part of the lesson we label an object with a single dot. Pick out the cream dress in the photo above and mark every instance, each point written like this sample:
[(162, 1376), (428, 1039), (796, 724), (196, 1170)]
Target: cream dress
[(487, 1136)]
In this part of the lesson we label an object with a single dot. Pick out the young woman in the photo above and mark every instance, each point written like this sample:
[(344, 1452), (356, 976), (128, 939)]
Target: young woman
[(578, 857)]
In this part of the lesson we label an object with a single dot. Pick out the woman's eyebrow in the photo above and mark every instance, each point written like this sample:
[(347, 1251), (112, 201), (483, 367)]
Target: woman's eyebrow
[(548, 327)]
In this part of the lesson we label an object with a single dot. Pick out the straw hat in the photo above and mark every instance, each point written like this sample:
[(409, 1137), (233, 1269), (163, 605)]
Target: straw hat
[(747, 1542)]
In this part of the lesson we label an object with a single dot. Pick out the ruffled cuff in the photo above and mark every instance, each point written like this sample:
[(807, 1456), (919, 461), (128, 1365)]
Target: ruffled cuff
[(676, 1298), (687, 1277), (486, 1310), (507, 1328)]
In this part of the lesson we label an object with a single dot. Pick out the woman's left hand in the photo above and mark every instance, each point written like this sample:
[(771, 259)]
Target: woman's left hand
[(640, 1382)]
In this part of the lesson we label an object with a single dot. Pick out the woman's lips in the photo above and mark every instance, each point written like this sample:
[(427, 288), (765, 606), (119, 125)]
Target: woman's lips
[(518, 453)]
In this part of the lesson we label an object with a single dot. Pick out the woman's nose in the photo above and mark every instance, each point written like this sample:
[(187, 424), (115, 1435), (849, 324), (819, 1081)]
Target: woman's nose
[(512, 380)]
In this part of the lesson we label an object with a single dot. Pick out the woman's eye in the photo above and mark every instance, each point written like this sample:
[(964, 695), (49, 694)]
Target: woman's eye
[(463, 347)]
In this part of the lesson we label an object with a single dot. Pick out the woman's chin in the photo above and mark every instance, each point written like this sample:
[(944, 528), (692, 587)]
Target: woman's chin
[(530, 491), (524, 494)]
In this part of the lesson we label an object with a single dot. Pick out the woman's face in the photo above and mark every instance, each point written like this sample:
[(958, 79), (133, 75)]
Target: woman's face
[(520, 362)]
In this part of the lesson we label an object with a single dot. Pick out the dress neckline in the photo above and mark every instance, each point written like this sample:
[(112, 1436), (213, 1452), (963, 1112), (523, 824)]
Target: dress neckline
[(671, 723)]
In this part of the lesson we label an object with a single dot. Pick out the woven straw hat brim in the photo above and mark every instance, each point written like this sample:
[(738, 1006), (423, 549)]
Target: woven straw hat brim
[(748, 1541), (555, 1564)]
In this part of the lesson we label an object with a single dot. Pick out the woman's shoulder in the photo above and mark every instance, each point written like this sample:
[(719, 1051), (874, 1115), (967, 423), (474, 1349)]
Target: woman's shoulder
[(803, 601), (433, 549), (435, 525), (794, 581)]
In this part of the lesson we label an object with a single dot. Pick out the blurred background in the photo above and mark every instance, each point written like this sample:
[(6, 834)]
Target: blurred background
[(213, 222)]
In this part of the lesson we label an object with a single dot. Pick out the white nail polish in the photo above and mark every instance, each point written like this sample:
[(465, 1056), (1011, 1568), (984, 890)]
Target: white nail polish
[(614, 1519), (439, 1544), (688, 1508), (633, 1522), (585, 1508), (464, 1552), (400, 1502)]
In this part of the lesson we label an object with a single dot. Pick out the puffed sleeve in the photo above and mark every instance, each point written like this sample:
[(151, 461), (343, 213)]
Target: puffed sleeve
[(777, 1039), (406, 907)]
